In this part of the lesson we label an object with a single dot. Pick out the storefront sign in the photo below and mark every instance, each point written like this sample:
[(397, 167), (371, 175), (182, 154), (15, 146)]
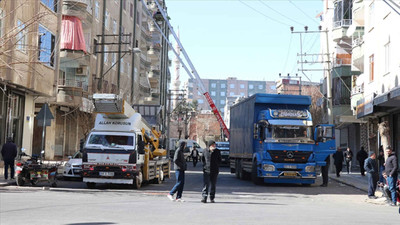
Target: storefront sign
[(365, 106)]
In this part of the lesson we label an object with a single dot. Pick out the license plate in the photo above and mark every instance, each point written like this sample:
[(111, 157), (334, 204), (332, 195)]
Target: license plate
[(106, 174), (289, 174)]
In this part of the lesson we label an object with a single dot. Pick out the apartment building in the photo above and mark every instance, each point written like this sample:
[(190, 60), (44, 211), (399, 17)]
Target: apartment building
[(29, 63), (376, 91), (63, 51), (221, 89)]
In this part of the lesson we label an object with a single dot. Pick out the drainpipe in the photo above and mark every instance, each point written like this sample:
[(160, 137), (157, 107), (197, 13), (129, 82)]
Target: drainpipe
[(57, 48), (103, 30), (119, 47), (133, 54)]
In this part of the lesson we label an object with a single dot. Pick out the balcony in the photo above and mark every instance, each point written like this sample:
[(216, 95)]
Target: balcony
[(154, 74), (340, 29), (342, 60), (145, 61), (71, 91), (145, 34), (358, 54), (358, 12), (78, 8)]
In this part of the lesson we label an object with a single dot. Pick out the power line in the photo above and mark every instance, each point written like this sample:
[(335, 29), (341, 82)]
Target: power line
[(287, 55), (285, 16), (263, 14), (302, 11)]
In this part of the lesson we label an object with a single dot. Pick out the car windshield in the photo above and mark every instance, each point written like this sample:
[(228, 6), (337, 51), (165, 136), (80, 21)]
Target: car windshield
[(111, 140), (291, 132), (77, 155)]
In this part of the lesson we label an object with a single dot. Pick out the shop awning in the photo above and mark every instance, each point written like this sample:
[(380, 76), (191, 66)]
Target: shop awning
[(72, 37)]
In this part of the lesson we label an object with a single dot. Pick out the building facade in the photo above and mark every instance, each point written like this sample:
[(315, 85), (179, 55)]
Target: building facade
[(63, 51), (220, 90)]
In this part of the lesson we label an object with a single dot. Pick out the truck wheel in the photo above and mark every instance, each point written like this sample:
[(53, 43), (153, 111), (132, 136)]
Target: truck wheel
[(137, 183), (20, 180), (91, 185), (254, 174)]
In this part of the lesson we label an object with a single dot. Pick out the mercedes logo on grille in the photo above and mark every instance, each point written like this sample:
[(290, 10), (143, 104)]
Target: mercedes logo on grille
[(290, 154)]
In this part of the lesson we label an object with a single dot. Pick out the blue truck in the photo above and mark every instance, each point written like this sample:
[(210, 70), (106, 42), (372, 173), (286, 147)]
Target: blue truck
[(273, 141)]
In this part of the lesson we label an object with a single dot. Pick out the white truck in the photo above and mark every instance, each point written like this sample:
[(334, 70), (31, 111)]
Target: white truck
[(122, 148)]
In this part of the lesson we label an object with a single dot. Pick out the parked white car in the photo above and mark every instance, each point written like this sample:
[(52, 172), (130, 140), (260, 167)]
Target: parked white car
[(73, 168)]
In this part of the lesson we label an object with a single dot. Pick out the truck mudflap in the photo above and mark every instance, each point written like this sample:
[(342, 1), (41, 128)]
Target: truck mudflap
[(107, 181)]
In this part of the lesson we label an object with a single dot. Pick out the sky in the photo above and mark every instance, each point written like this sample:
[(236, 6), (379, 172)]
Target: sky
[(247, 39)]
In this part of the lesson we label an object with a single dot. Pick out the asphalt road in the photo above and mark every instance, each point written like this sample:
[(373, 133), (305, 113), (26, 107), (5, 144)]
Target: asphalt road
[(237, 202)]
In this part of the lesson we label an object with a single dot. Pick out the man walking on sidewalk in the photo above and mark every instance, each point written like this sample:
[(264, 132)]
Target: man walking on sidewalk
[(9, 152), (338, 161), (211, 159), (391, 173), (361, 156), (348, 156), (371, 167)]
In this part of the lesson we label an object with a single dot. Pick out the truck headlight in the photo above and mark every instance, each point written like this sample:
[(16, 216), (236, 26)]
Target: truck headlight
[(67, 165), (267, 167), (310, 169)]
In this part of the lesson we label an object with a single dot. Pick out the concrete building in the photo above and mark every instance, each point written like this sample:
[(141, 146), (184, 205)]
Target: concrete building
[(336, 21), (376, 91), (29, 37), (63, 51), (220, 89)]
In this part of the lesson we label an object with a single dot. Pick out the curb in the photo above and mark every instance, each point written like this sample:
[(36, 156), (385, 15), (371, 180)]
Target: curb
[(348, 184)]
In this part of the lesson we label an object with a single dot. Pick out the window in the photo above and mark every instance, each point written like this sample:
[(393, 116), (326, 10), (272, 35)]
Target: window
[(232, 85), (96, 9), (242, 86), (222, 93), (124, 5), (242, 94), (114, 28), (213, 85), (113, 59), (231, 94), (95, 47), (222, 102), (213, 93), (51, 4), (107, 19), (198, 93), (371, 68), (223, 85), (342, 13), (122, 65), (87, 41), (128, 68), (260, 86), (46, 46), (21, 36), (105, 54), (1, 22), (273, 87), (251, 86), (200, 101), (222, 110), (131, 10), (387, 57)]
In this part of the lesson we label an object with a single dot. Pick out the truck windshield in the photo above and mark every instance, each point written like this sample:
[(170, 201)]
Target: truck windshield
[(291, 132), (110, 140)]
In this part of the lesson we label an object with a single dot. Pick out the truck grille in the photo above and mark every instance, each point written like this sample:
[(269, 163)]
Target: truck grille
[(279, 156)]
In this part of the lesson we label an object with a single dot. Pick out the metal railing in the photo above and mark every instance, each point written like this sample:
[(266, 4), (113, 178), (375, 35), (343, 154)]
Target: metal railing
[(73, 83), (342, 23)]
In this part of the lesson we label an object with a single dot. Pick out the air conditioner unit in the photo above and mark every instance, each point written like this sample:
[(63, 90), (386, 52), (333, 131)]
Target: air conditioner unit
[(81, 71)]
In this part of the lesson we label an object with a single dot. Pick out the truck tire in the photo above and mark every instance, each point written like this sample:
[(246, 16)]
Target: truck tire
[(237, 169), (91, 185), (254, 174), (137, 183), (20, 180)]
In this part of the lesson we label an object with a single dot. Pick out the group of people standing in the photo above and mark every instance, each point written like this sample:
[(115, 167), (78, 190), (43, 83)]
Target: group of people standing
[(211, 159), (375, 167)]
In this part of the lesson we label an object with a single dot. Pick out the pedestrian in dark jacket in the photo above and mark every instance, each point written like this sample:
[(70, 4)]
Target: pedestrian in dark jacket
[(371, 167), (9, 152), (324, 171), (195, 156), (361, 156), (348, 157), (381, 164), (391, 173), (338, 161), (211, 159), (180, 167)]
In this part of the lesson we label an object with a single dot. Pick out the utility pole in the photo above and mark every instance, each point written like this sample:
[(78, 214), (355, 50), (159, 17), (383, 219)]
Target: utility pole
[(328, 75)]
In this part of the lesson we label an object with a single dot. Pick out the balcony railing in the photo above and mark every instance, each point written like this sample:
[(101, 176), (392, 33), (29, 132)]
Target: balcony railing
[(342, 23), (73, 83), (341, 62)]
